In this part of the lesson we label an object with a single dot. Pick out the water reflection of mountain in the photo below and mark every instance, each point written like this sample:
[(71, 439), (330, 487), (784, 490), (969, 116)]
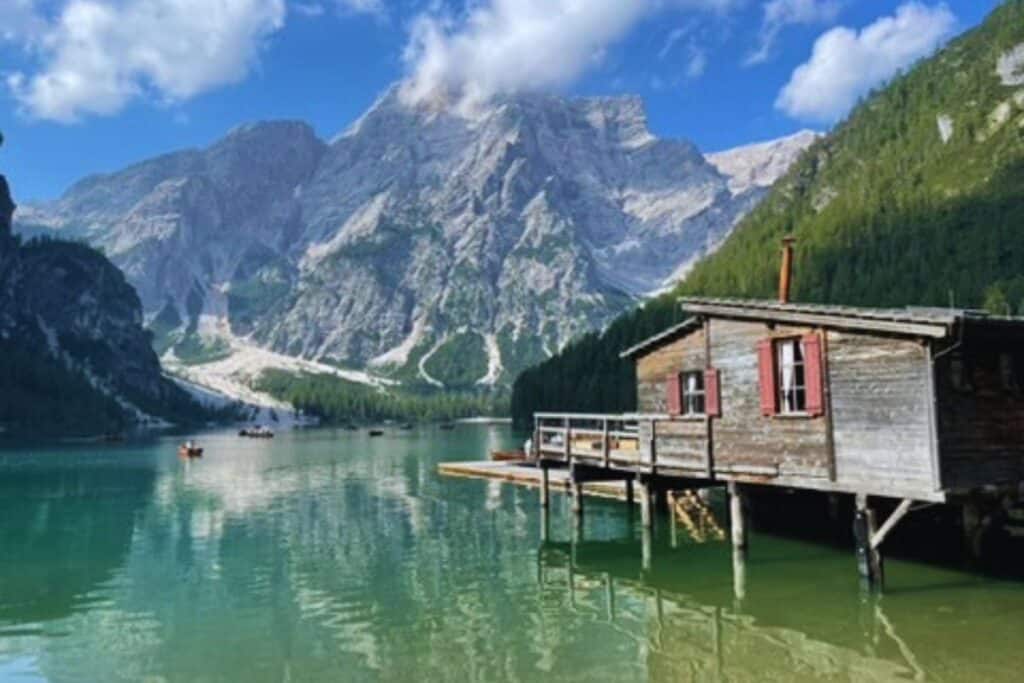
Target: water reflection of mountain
[(318, 557), (789, 620), (64, 533)]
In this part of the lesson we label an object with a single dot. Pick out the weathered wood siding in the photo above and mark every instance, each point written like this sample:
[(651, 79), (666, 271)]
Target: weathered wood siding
[(743, 437), (881, 409), (681, 442), (653, 370), (981, 428)]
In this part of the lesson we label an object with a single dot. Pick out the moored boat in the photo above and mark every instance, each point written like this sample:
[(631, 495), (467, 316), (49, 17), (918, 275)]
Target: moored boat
[(257, 432), (190, 450), (507, 456), (376, 432)]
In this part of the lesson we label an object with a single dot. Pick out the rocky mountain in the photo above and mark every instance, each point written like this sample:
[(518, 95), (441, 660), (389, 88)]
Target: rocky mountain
[(915, 199), (424, 244), (74, 356), (759, 165)]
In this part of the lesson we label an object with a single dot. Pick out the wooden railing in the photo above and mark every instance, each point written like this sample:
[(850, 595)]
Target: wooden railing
[(594, 438)]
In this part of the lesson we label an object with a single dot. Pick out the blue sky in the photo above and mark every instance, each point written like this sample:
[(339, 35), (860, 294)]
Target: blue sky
[(92, 85)]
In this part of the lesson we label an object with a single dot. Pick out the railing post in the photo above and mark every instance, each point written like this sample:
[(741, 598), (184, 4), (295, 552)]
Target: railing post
[(568, 440), (535, 444), (607, 444), (654, 447)]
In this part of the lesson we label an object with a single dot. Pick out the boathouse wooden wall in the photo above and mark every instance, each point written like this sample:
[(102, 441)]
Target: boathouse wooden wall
[(981, 413), (876, 435), (744, 439), (881, 412)]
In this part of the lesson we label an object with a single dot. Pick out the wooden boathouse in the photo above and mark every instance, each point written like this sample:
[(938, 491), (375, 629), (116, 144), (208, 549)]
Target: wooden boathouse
[(908, 406)]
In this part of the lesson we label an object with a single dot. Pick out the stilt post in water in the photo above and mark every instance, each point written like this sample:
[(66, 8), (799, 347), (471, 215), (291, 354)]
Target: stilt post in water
[(545, 483), (869, 559), (737, 517)]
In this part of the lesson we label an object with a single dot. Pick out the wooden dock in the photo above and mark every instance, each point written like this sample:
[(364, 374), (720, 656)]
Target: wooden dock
[(526, 474)]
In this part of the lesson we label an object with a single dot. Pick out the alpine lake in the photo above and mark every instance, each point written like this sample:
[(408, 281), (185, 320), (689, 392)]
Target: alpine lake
[(326, 555)]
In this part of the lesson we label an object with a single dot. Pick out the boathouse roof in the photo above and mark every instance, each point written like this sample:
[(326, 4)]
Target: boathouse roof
[(935, 323)]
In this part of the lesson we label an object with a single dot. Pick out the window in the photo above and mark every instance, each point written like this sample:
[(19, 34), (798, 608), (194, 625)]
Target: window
[(693, 393), (791, 382), (792, 378)]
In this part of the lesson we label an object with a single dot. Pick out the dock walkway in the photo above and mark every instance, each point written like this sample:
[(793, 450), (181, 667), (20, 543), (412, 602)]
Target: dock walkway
[(524, 474)]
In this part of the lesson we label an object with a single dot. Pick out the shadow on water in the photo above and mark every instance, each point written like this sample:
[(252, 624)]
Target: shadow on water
[(64, 533), (784, 610)]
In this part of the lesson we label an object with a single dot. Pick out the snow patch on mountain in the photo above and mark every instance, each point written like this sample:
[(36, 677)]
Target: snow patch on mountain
[(945, 124), (759, 165), (1010, 66), (400, 354), (494, 366)]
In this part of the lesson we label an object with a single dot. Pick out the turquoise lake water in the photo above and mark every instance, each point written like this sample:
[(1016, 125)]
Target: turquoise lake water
[(330, 556)]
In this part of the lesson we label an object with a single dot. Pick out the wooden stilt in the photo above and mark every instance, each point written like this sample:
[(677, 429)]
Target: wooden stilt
[(736, 516), (630, 496), (646, 539), (646, 505), (577, 498), (577, 529), (545, 524), (545, 487), (609, 594), (739, 574), (869, 559)]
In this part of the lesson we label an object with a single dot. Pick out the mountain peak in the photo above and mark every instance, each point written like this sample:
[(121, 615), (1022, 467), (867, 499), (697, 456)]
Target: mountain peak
[(760, 164)]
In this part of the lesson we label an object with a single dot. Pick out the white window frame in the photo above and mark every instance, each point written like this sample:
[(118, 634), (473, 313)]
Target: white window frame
[(694, 395), (791, 376)]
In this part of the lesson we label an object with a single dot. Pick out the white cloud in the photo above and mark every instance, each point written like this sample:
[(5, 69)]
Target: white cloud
[(20, 21), (781, 13), (308, 9), (502, 46), (98, 55), (363, 6), (697, 64), (846, 64)]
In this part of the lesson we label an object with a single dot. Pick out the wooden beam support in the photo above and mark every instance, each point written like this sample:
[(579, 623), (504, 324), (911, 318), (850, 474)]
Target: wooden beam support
[(899, 513)]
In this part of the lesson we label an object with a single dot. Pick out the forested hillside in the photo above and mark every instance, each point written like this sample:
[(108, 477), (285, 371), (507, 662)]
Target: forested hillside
[(917, 198)]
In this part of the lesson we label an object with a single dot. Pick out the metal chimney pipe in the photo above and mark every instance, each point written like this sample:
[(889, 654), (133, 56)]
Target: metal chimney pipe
[(786, 272)]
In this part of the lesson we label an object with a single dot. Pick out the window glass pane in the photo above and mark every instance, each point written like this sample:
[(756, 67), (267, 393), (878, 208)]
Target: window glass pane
[(792, 380), (693, 393)]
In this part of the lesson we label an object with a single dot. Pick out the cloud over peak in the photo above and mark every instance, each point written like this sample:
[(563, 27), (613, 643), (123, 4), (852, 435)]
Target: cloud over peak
[(846, 64), (502, 46)]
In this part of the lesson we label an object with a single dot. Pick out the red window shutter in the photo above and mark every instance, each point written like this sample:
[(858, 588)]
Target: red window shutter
[(766, 371), (814, 376), (712, 394), (673, 395)]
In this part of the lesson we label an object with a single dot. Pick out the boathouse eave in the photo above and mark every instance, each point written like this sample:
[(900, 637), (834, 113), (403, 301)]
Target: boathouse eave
[(909, 322), (927, 323), (664, 337)]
